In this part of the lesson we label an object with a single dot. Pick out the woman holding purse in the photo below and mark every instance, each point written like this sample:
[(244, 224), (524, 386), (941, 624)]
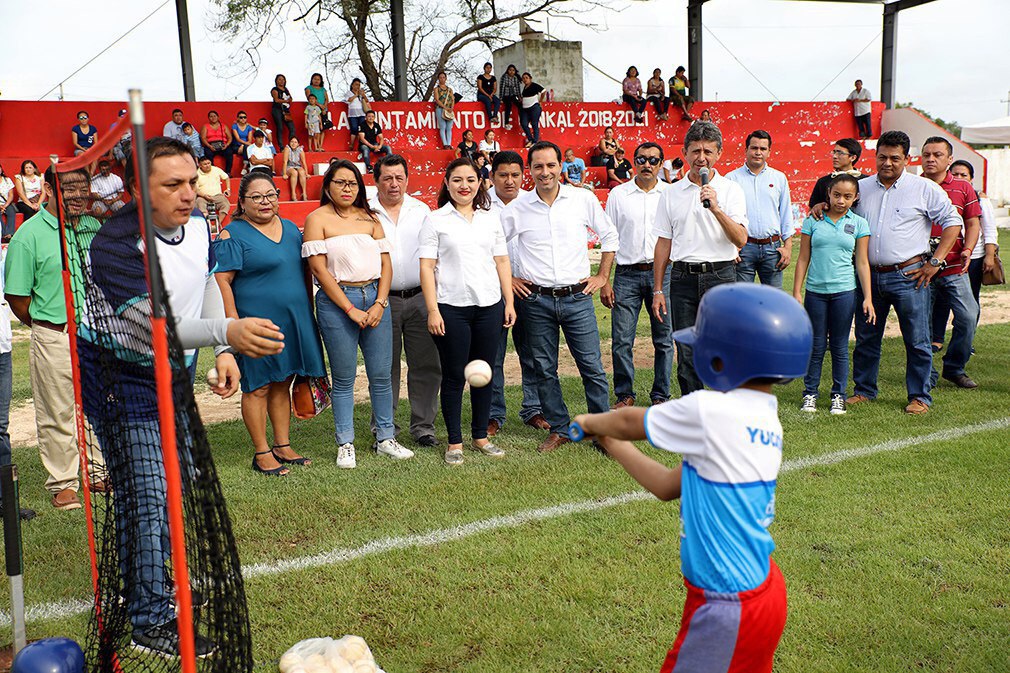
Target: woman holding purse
[(445, 116)]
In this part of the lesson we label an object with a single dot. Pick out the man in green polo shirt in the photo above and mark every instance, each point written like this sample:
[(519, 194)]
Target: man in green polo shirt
[(33, 286)]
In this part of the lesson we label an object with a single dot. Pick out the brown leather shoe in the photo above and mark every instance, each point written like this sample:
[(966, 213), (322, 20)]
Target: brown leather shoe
[(916, 407), (539, 422), (66, 499), (99, 486), (961, 381), (856, 399), (492, 428), (553, 441), (625, 402)]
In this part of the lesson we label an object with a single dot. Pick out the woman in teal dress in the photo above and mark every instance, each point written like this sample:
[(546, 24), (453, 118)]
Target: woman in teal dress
[(260, 272)]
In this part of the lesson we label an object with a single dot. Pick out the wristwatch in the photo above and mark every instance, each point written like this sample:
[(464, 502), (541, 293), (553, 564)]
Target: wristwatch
[(936, 263), (383, 303)]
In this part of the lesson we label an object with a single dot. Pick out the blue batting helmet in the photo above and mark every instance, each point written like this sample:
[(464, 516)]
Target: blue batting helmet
[(746, 331), (52, 655)]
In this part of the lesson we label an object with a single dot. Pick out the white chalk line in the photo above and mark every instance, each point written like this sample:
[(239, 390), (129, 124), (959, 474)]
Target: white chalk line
[(71, 608)]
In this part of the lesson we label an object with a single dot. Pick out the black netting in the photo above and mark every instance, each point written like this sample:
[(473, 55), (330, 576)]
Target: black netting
[(132, 626)]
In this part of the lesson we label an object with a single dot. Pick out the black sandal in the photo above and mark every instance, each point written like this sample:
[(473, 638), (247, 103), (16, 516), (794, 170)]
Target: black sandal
[(300, 460), (279, 471)]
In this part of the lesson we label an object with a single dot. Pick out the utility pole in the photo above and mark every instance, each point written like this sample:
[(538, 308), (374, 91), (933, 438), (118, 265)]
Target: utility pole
[(399, 51), (188, 83)]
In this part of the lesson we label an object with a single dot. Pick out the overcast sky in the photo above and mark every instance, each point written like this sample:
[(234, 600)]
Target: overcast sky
[(952, 55)]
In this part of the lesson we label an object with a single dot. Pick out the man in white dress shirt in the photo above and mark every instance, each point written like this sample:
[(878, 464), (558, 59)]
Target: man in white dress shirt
[(862, 108), (401, 216), (549, 229), (700, 228), (632, 208), (507, 178)]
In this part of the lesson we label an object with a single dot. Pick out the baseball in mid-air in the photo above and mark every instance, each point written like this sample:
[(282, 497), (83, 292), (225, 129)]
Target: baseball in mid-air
[(477, 373)]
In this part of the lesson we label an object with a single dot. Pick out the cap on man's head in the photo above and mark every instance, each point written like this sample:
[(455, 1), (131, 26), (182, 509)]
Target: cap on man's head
[(263, 121)]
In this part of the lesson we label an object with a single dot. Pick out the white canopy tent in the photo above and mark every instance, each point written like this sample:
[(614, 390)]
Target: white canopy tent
[(992, 132)]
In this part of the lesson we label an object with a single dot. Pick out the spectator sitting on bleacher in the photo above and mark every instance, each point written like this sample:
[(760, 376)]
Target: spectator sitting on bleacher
[(606, 149), (173, 128), (706, 116), (192, 138), (209, 179), (261, 155), (483, 170), (371, 140), (489, 146), (268, 133), (84, 134), (678, 93), (467, 147), (106, 190), (28, 184), (216, 138), (672, 170), (655, 91), (8, 211), (122, 149), (631, 89), (293, 162), (618, 169), (573, 170), (241, 138)]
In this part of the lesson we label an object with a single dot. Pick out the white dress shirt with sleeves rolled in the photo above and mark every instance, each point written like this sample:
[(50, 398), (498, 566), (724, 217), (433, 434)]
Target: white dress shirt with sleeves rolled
[(989, 233), (551, 242), (465, 270), (695, 233), (901, 216), (769, 207), (404, 239), (633, 212)]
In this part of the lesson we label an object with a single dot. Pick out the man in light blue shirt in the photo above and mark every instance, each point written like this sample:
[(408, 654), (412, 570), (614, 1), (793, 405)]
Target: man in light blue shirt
[(769, 215), (901, 209)]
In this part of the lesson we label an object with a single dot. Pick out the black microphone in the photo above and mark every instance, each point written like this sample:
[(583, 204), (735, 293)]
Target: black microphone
[(704, 181)]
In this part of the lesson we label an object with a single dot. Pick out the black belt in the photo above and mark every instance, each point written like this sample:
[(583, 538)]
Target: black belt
[(888, 268), (405, 294), (563, 291), (701, 267), (56, 327), (644, 266), (774, 238)]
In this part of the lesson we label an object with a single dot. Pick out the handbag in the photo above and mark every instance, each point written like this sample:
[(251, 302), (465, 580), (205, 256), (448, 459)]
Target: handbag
[(996, 275), (217, 145), (326, 123), (448, 114), (309, 395)]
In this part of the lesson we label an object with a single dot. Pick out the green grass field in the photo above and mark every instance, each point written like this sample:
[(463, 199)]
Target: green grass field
[(895, 561)]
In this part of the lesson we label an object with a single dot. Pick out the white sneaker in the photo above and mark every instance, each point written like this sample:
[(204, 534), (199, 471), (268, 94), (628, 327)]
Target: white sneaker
[(393, 449), (345, 457), (809, 404), (837, 405)]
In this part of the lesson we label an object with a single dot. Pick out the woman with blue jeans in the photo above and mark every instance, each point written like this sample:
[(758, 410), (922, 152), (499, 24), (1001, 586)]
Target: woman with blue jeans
[(826, 263), (529, 115), (445, 115), (348, 255)]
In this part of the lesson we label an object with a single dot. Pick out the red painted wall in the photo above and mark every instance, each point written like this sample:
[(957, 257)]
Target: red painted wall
[(802, 133)]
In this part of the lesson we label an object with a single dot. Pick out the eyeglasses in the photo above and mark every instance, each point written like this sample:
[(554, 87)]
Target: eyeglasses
[(341, 185), (840, 153), (652, 161), (269, 197)]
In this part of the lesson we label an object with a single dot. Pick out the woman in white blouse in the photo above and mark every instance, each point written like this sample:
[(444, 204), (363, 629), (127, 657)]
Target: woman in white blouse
[(467, 284), (349, 256)]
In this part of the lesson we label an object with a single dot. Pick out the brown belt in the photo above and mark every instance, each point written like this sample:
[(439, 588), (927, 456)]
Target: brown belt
[(405, 294), (564, 291), (62, 327), (644, 266), (774, 238), (888, 268)]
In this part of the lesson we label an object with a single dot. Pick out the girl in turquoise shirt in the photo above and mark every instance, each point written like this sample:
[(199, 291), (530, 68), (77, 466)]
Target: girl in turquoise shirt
[(826, 264)]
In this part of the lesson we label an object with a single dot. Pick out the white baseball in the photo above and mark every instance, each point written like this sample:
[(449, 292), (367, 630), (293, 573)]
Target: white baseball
[(477, 373), (212, 377)]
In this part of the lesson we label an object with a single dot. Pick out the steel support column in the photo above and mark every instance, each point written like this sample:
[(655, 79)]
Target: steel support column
[(186, 51), (399, 50), (889, 54), (694, 48)]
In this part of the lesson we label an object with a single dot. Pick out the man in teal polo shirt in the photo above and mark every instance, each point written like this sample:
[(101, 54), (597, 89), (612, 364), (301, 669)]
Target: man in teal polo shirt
[(33, 286)]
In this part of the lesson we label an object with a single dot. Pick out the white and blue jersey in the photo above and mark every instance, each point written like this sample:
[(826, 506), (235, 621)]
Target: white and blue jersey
[(732, 448)]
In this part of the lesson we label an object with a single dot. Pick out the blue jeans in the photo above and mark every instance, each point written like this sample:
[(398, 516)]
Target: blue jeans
[(941, 309), (686, 291), (955, 291), (366, 153), (632, 289), (545, 317), (444, 127), (9, 213), (342, 337), (529, 119), (135, 462), (490, 103), (897, 289), (760, 260), (6, 391), (531, 398), (831, 315)]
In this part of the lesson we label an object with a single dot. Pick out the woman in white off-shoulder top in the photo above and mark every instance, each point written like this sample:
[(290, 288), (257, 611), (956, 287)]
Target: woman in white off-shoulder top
[(349, 256)]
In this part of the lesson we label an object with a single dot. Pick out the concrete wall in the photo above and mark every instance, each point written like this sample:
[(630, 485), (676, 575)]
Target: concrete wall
[(998, 183), (919, 128), (554, 64)]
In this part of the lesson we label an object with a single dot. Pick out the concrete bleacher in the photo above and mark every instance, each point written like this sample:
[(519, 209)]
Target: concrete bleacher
[(803, 134)]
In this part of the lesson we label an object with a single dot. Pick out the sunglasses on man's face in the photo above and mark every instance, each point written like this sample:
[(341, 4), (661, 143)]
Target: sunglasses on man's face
[(652, 161)]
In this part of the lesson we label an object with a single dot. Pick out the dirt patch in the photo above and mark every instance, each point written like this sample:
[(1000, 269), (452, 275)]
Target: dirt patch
[(995, 309)]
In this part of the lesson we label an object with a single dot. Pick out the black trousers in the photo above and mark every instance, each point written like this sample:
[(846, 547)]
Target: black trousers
[(864, 126), (277, 112), (471, 333)]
